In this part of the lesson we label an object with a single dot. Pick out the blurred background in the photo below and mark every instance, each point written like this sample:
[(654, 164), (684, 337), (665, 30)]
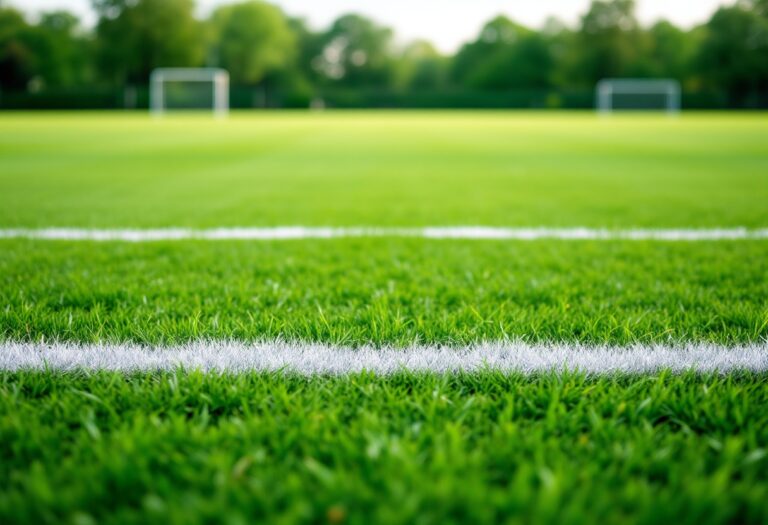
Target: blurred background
[(75, 54)]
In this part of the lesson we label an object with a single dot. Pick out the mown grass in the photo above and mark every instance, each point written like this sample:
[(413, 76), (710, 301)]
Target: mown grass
[(479, 448), (385, 292), (190, 448), (384, 168)]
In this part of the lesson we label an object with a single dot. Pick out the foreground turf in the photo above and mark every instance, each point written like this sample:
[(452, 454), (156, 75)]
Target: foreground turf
[(191, 448), (186, 447), (385, 292), (384, 168)]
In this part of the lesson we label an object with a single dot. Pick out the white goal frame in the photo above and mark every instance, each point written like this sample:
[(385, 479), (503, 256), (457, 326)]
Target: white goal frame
[(219, 79), (607, 88)]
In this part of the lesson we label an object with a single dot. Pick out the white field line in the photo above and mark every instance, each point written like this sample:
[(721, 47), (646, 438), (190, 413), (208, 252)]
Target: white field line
[(311, 359), (430, 232)]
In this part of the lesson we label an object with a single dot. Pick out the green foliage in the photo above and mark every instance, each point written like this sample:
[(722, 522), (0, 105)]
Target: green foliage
[(527, 64), (51, 53), (354, 61), (62, 51), (483, 448), (672, 53), (733, 54), (310, 46), (505, 56), (610, 42), (356, 53), (422, 67), (16, 55), (135, 37), (252, 40)]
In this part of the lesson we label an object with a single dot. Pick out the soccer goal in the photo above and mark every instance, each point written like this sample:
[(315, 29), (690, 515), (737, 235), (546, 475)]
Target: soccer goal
[(628, 94), (189, 89)]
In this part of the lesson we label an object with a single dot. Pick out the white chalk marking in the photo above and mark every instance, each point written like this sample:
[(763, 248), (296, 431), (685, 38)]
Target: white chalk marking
[(430, 232), (312, 359)]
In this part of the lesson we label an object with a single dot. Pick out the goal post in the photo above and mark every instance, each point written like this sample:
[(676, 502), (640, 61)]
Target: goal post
[(628, 94), (216, 97)]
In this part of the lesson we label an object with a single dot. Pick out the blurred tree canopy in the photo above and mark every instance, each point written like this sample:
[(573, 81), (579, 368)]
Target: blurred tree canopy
[(49, 53), (505, 55), (611, 43), (252, 40), (133, 37), (421, 66), (262, 46), (17, 59), (734, 52), (356, 52)]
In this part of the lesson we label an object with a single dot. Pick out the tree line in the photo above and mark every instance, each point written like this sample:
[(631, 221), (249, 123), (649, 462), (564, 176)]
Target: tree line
[(260, 45)]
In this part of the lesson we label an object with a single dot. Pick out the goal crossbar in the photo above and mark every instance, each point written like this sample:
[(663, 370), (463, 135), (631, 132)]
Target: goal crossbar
[(219, 79)]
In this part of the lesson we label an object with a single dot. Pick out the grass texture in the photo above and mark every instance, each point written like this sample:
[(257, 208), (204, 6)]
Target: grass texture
[(195, 448), (385, 292), (384, 168), (178, 447)]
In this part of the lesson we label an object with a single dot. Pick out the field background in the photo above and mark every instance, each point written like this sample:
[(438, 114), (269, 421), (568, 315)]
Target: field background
[(189, 448), (384, 168), (378, 169)]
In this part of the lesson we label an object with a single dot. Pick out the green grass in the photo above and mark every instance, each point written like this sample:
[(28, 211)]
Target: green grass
[(384, 168), (385, 291), (190, 448), (186, 448)]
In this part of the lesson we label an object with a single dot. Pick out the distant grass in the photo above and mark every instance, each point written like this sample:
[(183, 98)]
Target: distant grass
[(488, 448), (385, 291), (384, 168)]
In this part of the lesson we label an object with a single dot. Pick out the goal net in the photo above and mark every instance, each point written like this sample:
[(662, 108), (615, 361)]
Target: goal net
[(189, 89), (626, 94)]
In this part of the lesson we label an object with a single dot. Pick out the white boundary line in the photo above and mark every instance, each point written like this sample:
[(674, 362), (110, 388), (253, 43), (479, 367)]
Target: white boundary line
[(313, 359), (430, 232)]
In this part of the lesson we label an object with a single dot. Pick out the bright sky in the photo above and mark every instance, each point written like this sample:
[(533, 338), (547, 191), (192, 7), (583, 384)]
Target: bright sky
[(446, 23)]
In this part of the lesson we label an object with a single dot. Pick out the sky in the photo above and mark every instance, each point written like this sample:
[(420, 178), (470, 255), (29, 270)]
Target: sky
[(446, 23)]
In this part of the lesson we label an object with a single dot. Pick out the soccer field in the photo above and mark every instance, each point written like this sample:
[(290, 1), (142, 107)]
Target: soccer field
[(633, 248)]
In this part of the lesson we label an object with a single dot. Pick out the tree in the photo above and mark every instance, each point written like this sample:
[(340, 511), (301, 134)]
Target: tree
[(494, 36), (759, 6), (733, 55), (356, 53), (526, 64), (562, 43), (421, 66), (672, 51), (309, 45), (63, 54), (505, 55), (252, 40), (17, 59), (134, 37), (610, 42)]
